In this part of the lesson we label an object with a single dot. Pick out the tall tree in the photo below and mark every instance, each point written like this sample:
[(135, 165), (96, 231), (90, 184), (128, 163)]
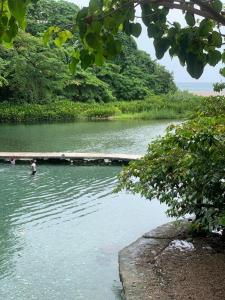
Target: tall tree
[(31, 71), (45, 13)]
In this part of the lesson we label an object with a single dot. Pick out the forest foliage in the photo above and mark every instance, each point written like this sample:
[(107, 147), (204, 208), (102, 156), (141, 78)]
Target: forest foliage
[(185, 168), (34, 73), (170, 106)]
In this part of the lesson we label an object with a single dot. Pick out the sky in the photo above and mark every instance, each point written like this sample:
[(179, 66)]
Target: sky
[(211, 74)]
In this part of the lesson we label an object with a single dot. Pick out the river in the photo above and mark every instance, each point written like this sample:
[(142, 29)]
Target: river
[(61, 229)]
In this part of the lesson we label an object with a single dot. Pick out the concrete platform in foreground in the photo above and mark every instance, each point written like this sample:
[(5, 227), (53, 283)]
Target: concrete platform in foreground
[(168, 264), (68, 157)]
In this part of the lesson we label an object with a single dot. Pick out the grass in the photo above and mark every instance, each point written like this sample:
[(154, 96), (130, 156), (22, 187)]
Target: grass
[(172, 106), (165, 114)]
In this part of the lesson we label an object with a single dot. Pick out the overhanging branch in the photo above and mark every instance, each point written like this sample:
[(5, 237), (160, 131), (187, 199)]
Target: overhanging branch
[(204, 10)]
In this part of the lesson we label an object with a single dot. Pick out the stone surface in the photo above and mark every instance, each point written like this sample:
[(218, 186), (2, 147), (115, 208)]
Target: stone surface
[(150, 269)]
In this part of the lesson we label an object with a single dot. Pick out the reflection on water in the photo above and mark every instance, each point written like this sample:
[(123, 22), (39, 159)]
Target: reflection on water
[(61, 231), (112, 137)]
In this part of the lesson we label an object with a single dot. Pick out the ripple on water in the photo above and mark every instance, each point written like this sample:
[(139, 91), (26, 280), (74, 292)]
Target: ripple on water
[(51, 195)]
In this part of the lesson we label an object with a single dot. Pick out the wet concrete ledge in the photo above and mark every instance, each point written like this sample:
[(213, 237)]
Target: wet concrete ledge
[(134, 278), (150, 269)]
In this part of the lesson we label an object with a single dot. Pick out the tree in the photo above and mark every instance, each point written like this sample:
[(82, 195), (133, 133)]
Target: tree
[(185, 168), (135, 63), (31, 71), (45, 13), (196, 45), (125, 72), (85, 87)]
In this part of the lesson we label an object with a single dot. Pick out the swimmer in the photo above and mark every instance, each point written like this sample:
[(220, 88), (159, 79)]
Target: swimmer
[(13, 161), (33, 167)]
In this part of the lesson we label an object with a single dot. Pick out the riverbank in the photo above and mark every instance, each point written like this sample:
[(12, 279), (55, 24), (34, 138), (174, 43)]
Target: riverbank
[(167, 263), (172, 106)]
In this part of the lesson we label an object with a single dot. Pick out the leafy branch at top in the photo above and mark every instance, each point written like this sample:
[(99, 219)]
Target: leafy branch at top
[(198, 44)]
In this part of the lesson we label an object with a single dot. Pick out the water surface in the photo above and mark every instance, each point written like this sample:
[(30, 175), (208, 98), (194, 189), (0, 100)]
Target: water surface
[(106, 136), (62, 229)]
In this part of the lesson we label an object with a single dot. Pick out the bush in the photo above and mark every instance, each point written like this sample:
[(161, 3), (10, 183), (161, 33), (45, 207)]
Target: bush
[(85, 87), (185, 169), (100, 112), (154, 107)]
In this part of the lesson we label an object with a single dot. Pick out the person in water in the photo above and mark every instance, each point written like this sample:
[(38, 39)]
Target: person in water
[(33, 167), (13, 161)]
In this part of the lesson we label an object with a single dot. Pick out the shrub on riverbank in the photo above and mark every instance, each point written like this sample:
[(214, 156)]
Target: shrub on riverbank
[(154, 107), (171, 106), (57, 111), (185, 168)]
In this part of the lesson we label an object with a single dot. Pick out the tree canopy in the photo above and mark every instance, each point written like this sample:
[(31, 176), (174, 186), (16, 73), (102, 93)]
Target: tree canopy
[(33, 72), (196, 45), (96, 28), (43, 14)]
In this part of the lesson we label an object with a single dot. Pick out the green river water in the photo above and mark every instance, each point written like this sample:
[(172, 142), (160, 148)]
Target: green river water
[(61, 230)]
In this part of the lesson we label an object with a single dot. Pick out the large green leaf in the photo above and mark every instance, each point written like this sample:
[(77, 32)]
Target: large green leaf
[(195, 66), (99, 59), (73, 64), (13, 28), (86, 59), (49, 33), (136, 29), (215, 39), (130, 13), (161, 46), (80, 21), (146, 13), (182, 57), (153, 30), (222, 72), (82, 14), (95, 5), (190, 19), (214, 57), (112, 47), (223, 56), (109, 23), (18, 10), (93, 40), (217, 5), (62, 37), (205, 27)]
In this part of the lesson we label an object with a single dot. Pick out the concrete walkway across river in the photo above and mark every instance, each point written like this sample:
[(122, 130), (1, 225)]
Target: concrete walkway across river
[(74, 157)]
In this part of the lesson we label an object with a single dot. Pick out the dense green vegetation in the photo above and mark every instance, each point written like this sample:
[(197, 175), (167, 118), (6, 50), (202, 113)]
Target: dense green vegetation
[(185, 168), (33, 73), (44, 13), (197, 44), (171, 106)]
